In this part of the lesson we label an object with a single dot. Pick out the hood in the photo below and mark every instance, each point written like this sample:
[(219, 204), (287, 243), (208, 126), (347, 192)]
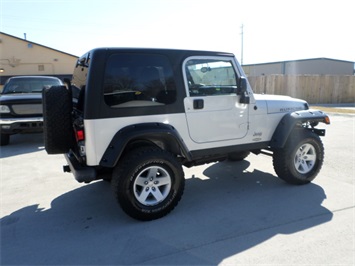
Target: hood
[(14, 98), (281, 104)]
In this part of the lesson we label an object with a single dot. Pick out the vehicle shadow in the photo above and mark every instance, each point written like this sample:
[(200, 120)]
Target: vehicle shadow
[(228, 207), (22, 144)]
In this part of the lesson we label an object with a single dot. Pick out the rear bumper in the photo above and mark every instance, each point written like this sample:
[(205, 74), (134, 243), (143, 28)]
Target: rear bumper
[(82, 173), (21, 125)]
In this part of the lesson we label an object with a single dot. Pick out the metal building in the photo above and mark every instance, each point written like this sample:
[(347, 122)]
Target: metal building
[(315, 66)]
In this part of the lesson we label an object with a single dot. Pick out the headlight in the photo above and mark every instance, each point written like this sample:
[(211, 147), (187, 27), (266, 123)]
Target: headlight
[(4, 109)]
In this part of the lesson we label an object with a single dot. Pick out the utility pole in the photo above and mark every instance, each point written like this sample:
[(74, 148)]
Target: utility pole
[(242, 46)]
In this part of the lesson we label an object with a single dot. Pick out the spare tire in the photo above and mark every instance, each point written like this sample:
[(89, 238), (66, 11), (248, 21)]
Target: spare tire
[(57, 120)]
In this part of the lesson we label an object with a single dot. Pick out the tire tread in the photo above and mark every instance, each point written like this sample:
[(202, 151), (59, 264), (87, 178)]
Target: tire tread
[(282, 158), (57, 120), (128, 163)]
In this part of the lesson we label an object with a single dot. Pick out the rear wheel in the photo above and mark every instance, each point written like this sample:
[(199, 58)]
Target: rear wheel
[(148, 183), (57, 120), (301, 159)]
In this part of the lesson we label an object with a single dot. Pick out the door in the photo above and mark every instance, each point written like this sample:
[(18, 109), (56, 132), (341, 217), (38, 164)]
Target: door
[(212, 107)]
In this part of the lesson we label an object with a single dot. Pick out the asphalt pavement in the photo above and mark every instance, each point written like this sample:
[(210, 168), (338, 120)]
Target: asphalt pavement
[(230, 214)]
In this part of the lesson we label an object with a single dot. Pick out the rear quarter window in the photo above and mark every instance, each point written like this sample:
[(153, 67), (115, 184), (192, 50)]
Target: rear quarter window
[(134, 80)]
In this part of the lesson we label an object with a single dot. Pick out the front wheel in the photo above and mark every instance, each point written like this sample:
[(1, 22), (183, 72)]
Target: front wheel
[(148, 183), (301, 159)]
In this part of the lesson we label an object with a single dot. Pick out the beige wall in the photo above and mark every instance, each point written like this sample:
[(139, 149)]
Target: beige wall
[(21, 57)]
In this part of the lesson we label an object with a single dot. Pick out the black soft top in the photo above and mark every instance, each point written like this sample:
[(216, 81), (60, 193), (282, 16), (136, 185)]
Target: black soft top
[(167, 51)]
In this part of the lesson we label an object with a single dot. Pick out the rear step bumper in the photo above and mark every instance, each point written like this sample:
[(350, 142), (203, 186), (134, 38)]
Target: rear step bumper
[(81, 173)]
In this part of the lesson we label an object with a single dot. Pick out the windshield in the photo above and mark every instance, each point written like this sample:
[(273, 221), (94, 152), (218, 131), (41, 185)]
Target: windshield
[(29, 85)]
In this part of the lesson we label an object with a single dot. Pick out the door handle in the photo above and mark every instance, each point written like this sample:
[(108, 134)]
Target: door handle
[(198, 104)]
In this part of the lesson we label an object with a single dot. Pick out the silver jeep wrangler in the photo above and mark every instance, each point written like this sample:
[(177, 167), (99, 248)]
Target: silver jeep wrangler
[(136, 116)]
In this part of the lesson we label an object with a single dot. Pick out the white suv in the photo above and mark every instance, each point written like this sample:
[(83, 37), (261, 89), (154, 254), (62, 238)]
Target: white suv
[(136, 116)]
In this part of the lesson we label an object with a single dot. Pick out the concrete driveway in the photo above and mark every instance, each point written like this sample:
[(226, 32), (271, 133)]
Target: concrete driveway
[(230, 213)]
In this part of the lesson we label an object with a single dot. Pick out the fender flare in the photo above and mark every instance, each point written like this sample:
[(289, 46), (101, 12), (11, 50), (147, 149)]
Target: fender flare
[(289, 122), (162, 135)]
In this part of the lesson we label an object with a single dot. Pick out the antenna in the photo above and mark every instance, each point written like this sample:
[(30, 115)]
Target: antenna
[(242, 46)]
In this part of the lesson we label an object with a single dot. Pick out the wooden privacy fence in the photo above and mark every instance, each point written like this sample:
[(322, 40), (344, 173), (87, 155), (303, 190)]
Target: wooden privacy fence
[(312, 88)]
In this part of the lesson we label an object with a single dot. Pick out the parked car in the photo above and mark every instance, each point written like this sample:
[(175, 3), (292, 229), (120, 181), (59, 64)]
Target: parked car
[(21, 105)]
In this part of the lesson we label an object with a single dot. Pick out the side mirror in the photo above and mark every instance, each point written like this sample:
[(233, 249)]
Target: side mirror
[(243, 91), (67, 82), (242, 85)]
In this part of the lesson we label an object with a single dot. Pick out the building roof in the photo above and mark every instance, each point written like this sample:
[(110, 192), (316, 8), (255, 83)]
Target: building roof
[(28, 41), (300, 60)]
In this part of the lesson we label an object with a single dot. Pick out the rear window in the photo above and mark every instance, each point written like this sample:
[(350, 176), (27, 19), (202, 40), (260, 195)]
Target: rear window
[(29, 85), (133, 80)]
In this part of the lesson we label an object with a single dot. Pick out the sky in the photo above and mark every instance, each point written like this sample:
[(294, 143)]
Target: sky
[(273, 30)]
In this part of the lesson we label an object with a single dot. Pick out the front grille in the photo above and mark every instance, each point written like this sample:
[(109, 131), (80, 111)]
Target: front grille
[(27, 109), (30, 125)]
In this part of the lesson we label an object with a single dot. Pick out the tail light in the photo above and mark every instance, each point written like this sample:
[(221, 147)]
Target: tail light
[(80, 139), (79, 135)]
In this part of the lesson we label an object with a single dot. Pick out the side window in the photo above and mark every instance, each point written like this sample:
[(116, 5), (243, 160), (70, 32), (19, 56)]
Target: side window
[(206, 77), (133, 80)]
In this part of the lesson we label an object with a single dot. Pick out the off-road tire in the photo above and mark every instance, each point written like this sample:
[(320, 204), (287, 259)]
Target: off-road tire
[(301, 159), (135, 182), (57, 120), (5, 139), (238, 156)]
